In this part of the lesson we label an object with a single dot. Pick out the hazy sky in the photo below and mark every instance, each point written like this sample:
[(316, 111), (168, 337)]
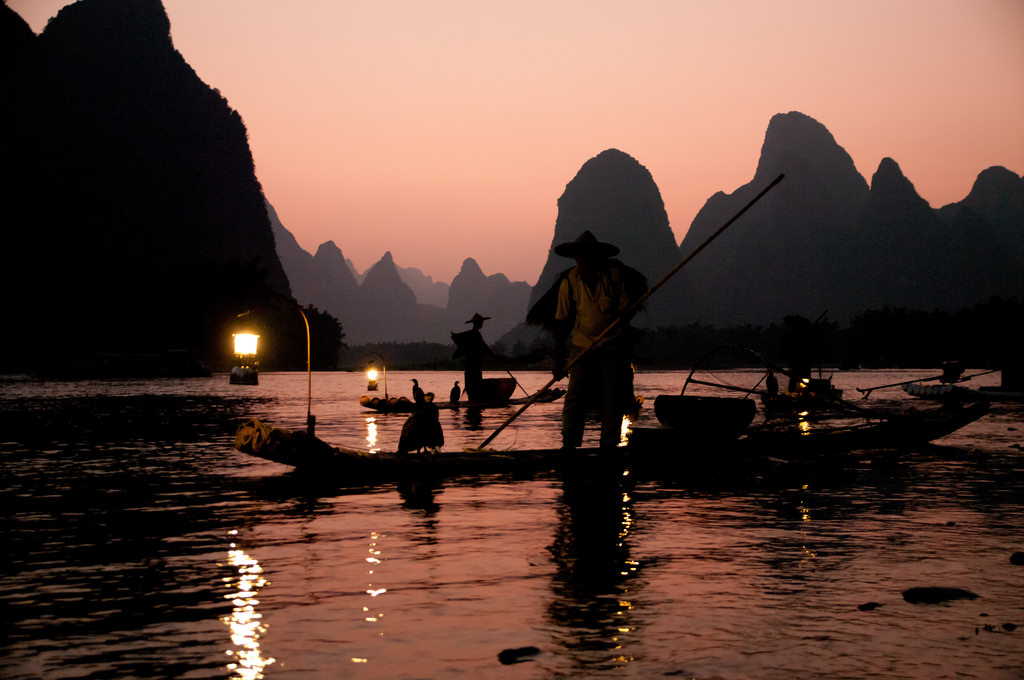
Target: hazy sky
[(441, 130)]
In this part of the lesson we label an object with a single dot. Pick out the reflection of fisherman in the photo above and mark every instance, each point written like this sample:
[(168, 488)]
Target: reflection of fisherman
[(589, 298), (594, 576), (470, 344)]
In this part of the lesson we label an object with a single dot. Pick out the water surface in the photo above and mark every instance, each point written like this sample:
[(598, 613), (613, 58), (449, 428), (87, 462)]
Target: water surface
[(141, 544)]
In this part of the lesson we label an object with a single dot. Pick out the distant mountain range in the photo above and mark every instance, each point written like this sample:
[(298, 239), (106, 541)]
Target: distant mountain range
[(823, 242), (133, 217), (382, 306)]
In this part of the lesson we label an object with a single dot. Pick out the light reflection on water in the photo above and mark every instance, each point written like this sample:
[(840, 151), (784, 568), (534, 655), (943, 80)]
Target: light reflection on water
[(371, 434), (118, 496), (245, 621)]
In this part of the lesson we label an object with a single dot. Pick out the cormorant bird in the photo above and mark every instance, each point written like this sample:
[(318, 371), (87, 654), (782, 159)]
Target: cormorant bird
[(421, 430), (456, 392), (417, 391)]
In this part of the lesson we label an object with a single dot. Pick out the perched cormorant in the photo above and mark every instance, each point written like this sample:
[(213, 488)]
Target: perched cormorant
[(456, 392), (417, 391), (421, 430)]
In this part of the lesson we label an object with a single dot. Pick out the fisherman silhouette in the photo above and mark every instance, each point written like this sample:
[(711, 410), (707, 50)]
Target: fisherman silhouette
[(417, 391), (470, 344), (456, 392), (422, 429), (584, 302), (801, 345)]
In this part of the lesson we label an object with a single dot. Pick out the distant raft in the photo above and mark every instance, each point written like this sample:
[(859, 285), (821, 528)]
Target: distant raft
[(405, 405)]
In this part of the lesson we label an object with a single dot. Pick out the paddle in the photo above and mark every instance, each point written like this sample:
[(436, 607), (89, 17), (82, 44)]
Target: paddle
[(632, 308)]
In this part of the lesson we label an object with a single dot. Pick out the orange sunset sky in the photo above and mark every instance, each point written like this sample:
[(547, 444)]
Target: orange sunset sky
[(445, 130)]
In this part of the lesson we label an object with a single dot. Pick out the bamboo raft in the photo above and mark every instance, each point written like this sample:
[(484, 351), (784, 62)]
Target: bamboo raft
[(664, 449)]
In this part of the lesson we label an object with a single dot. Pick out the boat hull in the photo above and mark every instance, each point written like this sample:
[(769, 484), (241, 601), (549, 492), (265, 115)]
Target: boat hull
[(244, 375)]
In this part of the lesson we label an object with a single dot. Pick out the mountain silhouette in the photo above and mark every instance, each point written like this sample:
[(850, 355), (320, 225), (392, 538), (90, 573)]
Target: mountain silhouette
[(822, 241), (495, 296), (132, 209), (614, 197), (784, 255), (988, 237), (384, 307), (133, 215), (423, 286), (895, 257)]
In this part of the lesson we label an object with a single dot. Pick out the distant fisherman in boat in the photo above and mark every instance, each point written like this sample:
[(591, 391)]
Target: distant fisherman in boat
[(470, 344), (587, 299), (802, 343)]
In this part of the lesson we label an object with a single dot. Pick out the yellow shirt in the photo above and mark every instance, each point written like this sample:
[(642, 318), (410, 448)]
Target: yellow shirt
[(595, 308)]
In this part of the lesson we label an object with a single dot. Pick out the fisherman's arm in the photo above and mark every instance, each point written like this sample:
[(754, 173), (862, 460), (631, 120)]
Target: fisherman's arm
[(561, 329)]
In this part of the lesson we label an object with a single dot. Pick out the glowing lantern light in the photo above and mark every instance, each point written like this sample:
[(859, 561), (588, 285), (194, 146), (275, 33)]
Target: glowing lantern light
[(376, 370), (246, 372), (245, 343)]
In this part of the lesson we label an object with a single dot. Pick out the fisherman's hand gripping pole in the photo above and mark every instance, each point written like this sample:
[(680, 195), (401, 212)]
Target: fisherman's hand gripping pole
[(632, 309)]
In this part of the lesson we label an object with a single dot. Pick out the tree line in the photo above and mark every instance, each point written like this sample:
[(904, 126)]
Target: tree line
[(982, 336)]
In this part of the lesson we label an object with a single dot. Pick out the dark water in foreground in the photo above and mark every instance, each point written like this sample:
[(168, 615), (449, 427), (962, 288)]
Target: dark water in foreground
[(139, 544)]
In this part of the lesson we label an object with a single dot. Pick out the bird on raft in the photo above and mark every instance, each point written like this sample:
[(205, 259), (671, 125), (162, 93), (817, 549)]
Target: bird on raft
[(456, 392), (417, 391), (421, 430)]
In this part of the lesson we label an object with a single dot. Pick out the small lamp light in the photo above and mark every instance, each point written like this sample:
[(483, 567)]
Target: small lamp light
[(246, 372), (245, 344), (376, 370)]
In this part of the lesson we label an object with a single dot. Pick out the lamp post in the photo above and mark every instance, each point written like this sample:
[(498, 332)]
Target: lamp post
[(310, 418), (245, 346)]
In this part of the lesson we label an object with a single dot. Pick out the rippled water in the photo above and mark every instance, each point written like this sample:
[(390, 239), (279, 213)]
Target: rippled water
[(139, 543)]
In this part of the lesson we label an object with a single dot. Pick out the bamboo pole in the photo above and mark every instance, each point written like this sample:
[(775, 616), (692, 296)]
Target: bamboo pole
[(632, 309)]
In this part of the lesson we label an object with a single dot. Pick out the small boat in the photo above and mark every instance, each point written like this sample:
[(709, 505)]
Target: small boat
[(406, 405), (940, 391), (953, 386), (948, 392), (902, 430), (897, 430), (494, 390), (702, 418), (813, 396), (244, 375), (1001, 394)]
